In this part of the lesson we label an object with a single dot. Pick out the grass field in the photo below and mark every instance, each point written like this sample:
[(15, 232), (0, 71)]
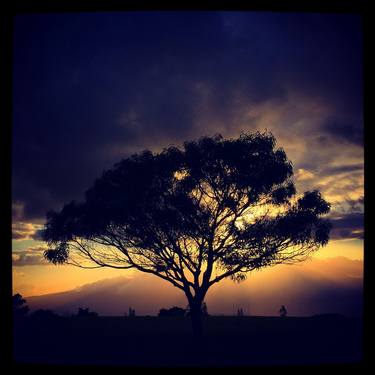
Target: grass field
[(154, 341)]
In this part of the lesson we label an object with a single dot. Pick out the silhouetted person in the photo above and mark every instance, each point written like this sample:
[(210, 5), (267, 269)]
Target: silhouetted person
[(282, 311), (240, 312)]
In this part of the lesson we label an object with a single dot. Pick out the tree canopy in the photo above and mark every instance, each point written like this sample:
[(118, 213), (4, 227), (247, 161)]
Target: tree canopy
[(216, 208)]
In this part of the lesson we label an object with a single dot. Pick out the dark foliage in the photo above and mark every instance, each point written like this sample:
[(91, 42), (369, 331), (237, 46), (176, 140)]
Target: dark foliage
[(85, 313), (218, 208), (173, 311), (20, 309)]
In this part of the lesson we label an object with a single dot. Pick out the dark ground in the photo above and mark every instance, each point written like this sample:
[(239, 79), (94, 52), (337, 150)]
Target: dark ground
[(167, 341)]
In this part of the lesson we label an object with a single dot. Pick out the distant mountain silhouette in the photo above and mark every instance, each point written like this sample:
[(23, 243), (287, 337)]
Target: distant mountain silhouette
[(318, 287)]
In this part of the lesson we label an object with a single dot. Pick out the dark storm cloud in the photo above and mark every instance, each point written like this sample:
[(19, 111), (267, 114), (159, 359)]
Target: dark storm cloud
[(348, 226), (92, 88), (346, 131), (24, 231), (317, 53), (350, 168)]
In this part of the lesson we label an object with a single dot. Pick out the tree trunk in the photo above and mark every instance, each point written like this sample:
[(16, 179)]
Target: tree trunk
[(196, 318)]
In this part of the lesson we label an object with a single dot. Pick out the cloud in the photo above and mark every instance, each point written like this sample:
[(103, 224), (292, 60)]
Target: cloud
[(348, 132), (345, 168), (24, 231), (17, 211), (348, 225), (32, 256), (318, 286), (139, 80), (303, 175)]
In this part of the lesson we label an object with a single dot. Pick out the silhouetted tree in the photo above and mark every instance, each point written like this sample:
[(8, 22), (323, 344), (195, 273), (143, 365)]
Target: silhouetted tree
[(204, 311), (20, 309), (216, 209)]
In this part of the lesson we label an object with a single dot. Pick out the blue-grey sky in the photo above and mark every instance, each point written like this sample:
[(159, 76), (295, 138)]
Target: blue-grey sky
[(92, 88)]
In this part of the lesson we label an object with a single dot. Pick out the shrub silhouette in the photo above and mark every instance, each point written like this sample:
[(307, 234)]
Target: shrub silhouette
[(85, 313), (173, 311), (20, 309)]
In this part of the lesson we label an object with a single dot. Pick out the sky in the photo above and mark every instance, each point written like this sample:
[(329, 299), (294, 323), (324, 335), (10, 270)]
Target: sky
[(92, 88)]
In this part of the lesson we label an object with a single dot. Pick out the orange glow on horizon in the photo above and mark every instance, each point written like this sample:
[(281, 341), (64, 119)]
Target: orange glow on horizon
[(44, 279)]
